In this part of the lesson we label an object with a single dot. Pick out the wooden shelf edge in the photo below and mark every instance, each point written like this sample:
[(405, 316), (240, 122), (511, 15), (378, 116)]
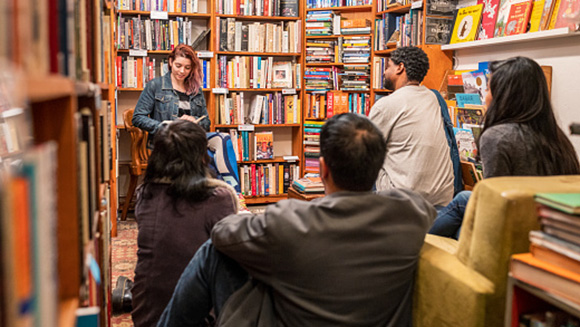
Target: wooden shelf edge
[(266, 54), (526, 37), (265, 199), (241, 17), (44, 88), (67, 312), (397, 10), (343, 8), (266, 161), (170, 14)]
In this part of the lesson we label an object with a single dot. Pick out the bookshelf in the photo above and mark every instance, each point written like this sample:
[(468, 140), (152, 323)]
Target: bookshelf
[(252, 45), (140, 47)]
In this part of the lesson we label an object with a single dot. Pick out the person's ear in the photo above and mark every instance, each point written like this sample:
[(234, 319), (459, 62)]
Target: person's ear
[(324, 172), (400, 68)]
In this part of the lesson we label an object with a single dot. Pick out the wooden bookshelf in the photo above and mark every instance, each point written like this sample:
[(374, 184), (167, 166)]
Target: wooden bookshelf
[(261, 54), (398, 10), (169, 14), (265, 199), (259, 18), (258, 126), (344, 8)]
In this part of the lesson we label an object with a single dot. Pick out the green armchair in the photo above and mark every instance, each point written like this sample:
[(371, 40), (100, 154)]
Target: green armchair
[(463, 283)]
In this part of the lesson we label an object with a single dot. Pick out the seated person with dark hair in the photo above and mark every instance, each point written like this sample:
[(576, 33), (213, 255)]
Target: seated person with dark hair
[(347, 259)]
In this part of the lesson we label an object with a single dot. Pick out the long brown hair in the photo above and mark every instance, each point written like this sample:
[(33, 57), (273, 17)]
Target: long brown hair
[(520, 95), (193, 81)]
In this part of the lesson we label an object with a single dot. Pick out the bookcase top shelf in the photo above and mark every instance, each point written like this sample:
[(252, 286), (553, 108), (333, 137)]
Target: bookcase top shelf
[(170, 14), (511, 39), (265, 199), (263, 54), (396, 10), (344, 8), (382, 90), (254, 18)]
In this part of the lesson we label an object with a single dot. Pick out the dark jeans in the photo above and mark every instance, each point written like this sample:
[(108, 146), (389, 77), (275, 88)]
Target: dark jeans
[(207, 282), (449, 218)]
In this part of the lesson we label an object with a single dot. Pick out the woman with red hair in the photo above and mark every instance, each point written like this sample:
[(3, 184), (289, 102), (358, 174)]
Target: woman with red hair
[(176, 95)]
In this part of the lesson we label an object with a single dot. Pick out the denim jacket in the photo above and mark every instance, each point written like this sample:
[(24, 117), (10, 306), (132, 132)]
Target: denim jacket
[(448, 125), (159, 102)]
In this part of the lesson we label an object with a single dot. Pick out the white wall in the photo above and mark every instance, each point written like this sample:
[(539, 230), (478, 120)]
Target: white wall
[(563, 54)]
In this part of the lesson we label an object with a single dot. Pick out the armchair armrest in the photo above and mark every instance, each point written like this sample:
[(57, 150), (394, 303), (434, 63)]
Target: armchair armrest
[(447, 292)]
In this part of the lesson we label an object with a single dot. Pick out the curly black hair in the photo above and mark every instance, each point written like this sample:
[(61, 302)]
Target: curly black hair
[(415, 61)]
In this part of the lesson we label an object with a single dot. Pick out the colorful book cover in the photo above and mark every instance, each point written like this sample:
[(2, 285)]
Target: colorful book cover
[(467, 98), (489, 16), (568, 14), (518, 18), (465, 143), (466, 24), (264, 145), (536, 16), (475, 82), (503, 16), (546, 14), (567, 202), (469, 116)]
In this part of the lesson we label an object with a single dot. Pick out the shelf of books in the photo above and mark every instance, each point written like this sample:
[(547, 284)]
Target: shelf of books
[(544, 284), (338, 36), (53, 129), (145, 34), (257, 92)]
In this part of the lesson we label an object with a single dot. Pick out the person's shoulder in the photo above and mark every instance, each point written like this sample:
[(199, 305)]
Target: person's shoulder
[(500, 131)]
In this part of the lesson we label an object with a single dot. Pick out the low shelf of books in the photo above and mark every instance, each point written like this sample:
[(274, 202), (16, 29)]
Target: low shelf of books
[(257, 93), (544, 285), (336, 74)]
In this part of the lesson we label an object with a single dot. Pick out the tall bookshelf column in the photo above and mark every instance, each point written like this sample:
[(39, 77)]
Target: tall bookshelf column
[(257, 93)]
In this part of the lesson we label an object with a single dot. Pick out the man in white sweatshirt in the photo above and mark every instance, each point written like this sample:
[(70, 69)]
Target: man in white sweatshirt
[(410, 119)]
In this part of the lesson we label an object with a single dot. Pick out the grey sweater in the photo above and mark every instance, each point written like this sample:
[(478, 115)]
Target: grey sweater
[(506, 150)]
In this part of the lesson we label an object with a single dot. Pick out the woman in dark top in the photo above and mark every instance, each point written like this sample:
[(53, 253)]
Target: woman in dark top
[(176, 95), (177, 206), (520, 136)]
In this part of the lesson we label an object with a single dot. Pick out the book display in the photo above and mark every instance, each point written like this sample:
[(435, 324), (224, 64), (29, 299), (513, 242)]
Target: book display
[(257, 92)]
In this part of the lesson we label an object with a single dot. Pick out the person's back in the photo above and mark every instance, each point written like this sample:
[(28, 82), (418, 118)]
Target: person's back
[(347, 259), (417, 152), (169, 235)]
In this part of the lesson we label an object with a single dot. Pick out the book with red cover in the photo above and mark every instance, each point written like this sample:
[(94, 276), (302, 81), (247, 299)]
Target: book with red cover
[(488, 18), (518, 18), (546, 276)]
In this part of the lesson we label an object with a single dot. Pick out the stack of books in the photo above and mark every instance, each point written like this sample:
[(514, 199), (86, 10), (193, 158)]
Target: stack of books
[(308, 185), (355, 26), (320, 51), (356, 49), (311, 146), (553, 264), (319, 79), (355, 78), (319, 23)]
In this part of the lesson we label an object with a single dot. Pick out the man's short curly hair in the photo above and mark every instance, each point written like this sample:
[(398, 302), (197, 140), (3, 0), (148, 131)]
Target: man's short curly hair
[(415, 61)]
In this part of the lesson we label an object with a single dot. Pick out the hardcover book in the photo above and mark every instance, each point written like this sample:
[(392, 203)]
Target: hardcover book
[(568, 14), (289, 8), (438, 30), (264, 145), (466, 24), (503, 16), (536, 15), (441, 7), (567, 202), (282, 77), (490, 10), (518, 18)]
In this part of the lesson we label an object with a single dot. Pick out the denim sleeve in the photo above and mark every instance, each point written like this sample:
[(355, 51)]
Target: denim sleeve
[(199, 109), (144, 109)]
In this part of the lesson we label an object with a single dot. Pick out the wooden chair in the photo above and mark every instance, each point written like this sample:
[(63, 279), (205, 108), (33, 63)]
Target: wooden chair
[(139, 157), (470, 176)]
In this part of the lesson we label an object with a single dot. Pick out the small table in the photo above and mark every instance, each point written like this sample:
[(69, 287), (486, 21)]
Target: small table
[(293, 194)]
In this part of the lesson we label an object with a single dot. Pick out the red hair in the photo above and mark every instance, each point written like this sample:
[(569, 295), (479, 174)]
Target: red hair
[(193, 81)]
